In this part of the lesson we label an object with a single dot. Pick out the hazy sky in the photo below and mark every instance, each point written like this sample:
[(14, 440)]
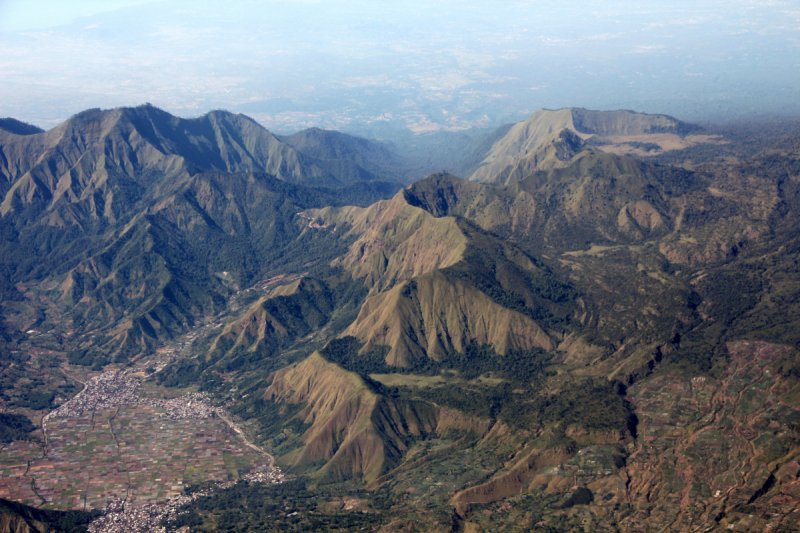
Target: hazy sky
[(374, 67)]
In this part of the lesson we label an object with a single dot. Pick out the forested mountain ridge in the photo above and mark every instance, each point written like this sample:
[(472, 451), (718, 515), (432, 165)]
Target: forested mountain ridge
[(150, 275), (121, 207), (18, 127), (98, 153), (633, 255), (456, 355), (373, 159)]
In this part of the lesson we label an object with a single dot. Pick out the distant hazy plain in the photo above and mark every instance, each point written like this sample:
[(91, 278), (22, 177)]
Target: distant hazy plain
[(379, 68)]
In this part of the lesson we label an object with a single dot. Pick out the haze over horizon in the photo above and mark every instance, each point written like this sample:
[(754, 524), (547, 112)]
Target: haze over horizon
[(431, 320), (396, 67)]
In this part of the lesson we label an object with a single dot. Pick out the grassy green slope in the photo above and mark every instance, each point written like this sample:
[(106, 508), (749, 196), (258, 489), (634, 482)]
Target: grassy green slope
[(636, 273), (150, 275)]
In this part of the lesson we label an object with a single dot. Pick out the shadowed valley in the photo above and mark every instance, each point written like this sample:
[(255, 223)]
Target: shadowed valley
[(595, 331)]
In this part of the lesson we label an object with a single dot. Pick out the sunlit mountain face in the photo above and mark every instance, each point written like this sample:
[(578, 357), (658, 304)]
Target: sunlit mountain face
[(591, 325), (400, 266)]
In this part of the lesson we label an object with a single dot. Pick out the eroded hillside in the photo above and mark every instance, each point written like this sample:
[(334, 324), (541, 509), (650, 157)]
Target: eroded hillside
[(582, 339)]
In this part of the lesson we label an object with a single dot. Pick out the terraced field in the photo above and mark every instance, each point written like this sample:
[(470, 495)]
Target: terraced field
[(709, 455), (131, 452), (716, 452)]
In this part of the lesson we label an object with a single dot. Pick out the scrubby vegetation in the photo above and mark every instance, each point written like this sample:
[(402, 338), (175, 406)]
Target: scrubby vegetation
[(55, 521), (15, 427), (636, 278), (594, 405), (290, 507)]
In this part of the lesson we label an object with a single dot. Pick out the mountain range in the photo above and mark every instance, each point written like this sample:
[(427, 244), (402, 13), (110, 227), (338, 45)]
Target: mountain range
[(594, 328)]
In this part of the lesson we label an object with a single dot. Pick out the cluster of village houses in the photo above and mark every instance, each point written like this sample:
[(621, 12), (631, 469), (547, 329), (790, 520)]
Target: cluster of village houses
[(105, 391), (193, 405), (112, 389), (151, 518)]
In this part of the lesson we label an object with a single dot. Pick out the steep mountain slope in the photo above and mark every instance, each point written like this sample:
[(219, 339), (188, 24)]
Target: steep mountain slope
[(293, 310), (96, 153), (433, 315), (526, 139), (439, 284), (364, 157), (18, 518), (555, 151), (588, 342), (394, 241), (698, 399), (612, 226), (304, 312), (17, 127), (183, 248), (596, 198), (355, 431), (611, 312)]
